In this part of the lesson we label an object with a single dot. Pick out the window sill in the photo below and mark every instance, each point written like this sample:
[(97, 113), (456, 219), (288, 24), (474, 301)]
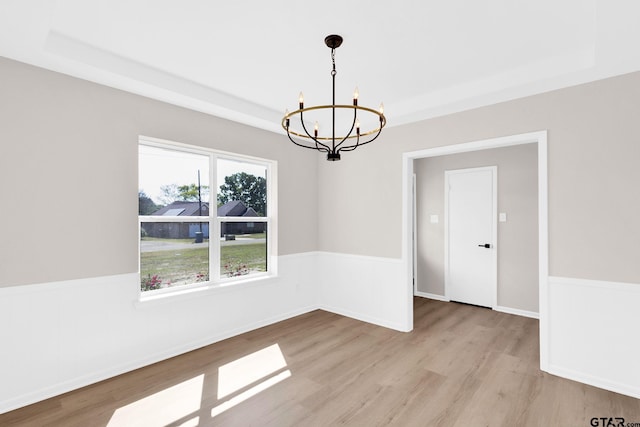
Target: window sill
[(198, 291)]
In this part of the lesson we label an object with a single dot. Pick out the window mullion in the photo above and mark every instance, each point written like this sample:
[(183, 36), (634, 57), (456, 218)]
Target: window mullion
[(214, 223), (159, 218)]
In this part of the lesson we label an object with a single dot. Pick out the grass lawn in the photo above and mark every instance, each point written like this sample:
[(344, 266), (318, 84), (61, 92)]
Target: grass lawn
[(184, 266), (253, 256), (253, 236)]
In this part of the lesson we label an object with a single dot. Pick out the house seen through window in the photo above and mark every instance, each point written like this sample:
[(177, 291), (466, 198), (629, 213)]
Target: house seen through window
[(204, 216)]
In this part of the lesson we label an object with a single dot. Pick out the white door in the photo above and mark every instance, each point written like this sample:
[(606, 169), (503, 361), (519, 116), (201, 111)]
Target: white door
[(470, 235)]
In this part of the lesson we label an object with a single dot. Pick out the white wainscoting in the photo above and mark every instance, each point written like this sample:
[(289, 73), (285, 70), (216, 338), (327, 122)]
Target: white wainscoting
[(594, 333), (370, 289), (56, 337)]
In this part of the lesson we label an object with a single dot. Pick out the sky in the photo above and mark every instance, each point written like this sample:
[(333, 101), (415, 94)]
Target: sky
[(158, 166)]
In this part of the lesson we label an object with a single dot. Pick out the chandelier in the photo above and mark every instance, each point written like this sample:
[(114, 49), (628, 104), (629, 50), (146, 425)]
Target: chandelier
[(332, 144)]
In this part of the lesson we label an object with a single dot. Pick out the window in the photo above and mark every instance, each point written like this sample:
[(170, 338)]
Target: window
[(193, 236)]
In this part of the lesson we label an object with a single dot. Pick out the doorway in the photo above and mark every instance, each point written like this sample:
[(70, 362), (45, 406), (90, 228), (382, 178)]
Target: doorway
[(538, 138), (470, 262)]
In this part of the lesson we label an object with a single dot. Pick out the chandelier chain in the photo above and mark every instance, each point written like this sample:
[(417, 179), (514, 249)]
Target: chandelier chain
[(333, 60)]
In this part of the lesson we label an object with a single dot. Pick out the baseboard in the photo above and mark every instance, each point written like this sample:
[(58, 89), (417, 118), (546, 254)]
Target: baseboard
[(431, 296), (602, 383), (67, 386), (502, 309), (517, 312), (363, 318)]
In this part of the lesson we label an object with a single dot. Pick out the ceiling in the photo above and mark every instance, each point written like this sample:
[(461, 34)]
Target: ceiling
[(248, 60)]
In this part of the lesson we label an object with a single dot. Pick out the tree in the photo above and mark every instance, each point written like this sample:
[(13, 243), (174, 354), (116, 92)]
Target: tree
[(169, 193), (184, 193), (249, 189), (146, 206)]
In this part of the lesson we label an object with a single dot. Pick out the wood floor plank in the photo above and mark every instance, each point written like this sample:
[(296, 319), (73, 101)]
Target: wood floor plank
[(461, 366)]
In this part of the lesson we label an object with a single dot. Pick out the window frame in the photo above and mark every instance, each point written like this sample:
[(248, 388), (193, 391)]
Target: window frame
[(215, 222)]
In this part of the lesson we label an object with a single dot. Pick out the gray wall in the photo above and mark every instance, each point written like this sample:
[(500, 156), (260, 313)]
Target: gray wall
[(517, 244), (69, 174), (593, 153), (68, 162)]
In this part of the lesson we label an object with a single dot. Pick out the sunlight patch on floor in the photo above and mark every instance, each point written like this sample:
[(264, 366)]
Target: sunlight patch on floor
[(247, 394), (179, 404), (164, 407), (247, 370)]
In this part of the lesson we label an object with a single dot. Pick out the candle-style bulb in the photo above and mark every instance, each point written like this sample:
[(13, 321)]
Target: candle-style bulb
[(381, 108), (356, 93), (301, 100), (315, 129), (358, 126), (286, 113)]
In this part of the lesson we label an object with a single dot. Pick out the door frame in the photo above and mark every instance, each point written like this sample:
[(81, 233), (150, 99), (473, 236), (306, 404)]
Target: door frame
[(414, 234), (494, 230), (539, 138)]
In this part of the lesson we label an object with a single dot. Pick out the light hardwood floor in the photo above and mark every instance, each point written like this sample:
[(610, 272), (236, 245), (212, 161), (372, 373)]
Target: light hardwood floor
[(461, 366)]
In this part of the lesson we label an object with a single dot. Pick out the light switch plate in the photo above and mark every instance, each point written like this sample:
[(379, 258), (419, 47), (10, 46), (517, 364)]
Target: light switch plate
[(433, 219), (502, 217)]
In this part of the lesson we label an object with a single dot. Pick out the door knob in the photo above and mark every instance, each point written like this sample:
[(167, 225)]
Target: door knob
[(485, 245)]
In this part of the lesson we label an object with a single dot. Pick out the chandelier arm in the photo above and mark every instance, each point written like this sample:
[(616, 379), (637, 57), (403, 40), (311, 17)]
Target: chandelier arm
[(309, 135), (351, 147), (358, 144), (353, 124), (322, 150)]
